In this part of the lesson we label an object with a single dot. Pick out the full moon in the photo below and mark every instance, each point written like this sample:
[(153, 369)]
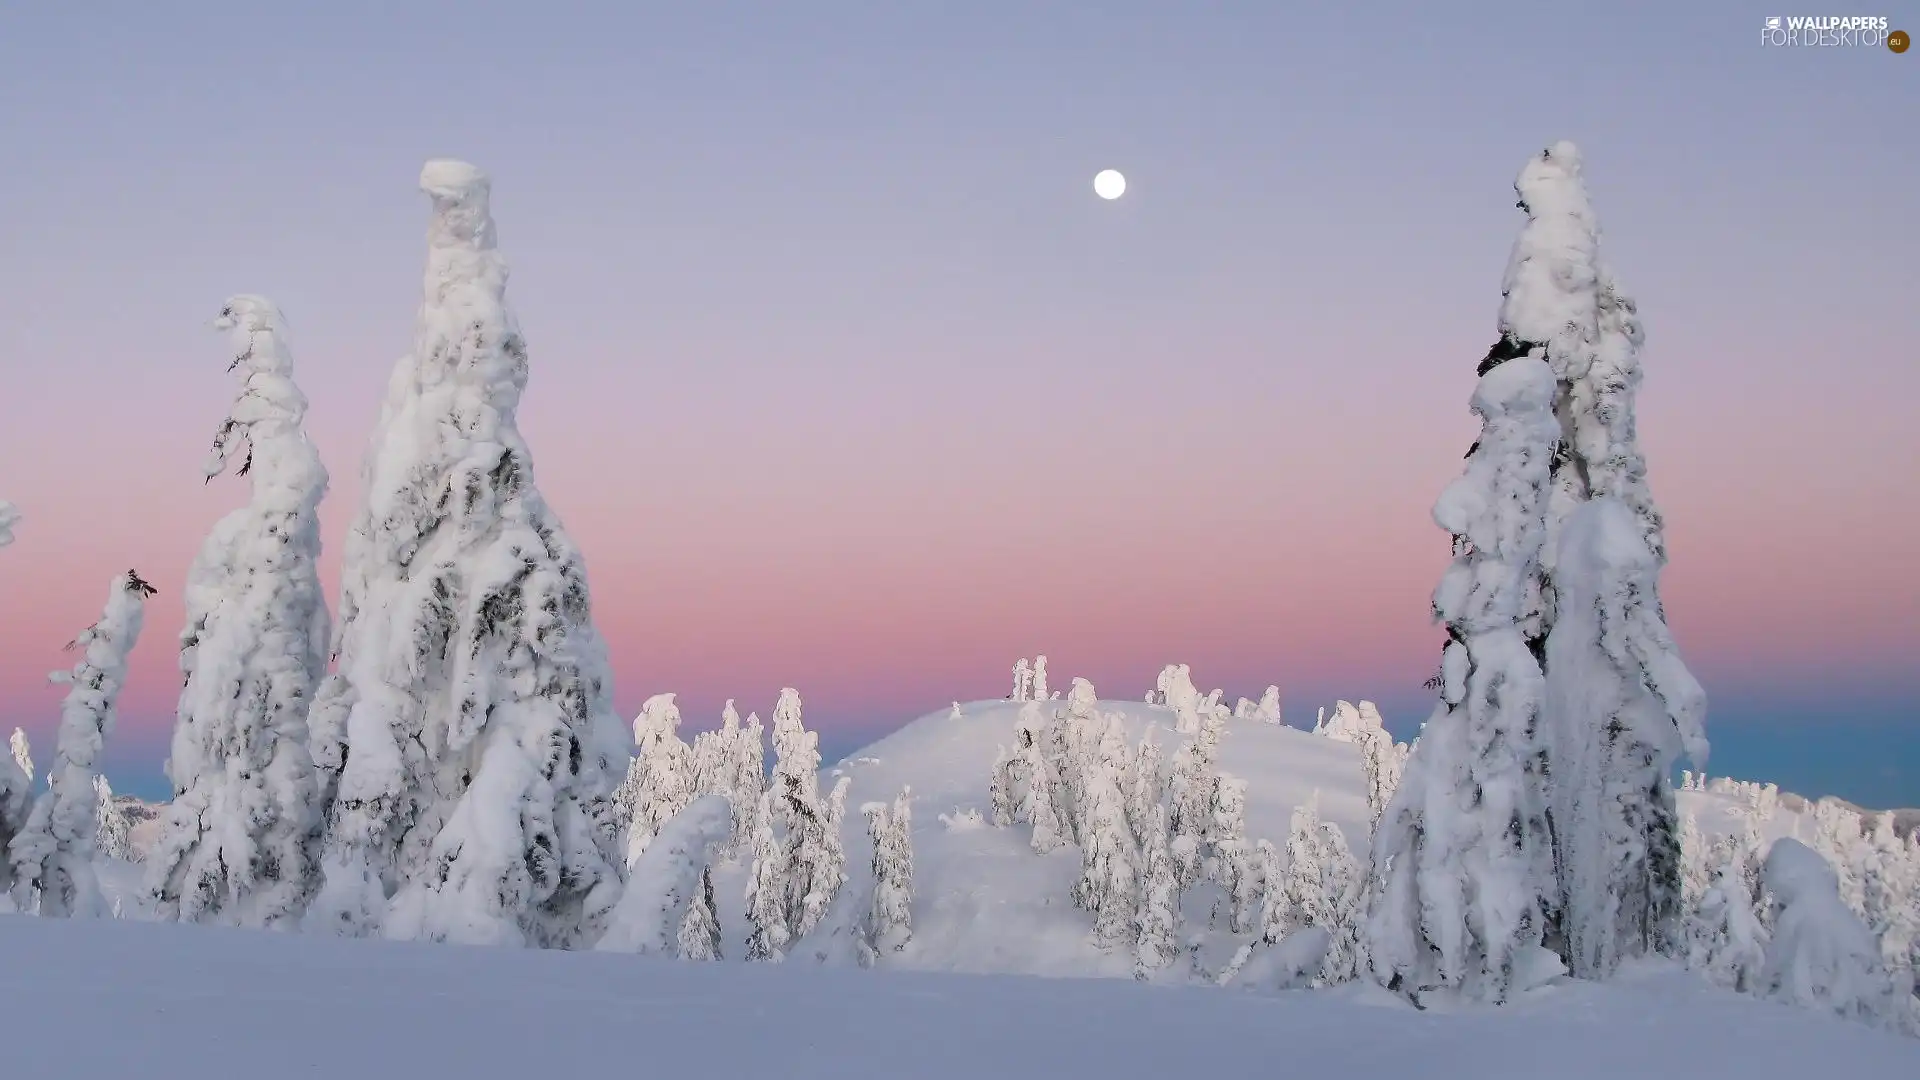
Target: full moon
[(1109, 184)]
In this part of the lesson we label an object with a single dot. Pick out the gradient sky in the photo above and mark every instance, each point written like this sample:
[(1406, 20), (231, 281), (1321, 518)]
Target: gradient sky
[(843, 379)]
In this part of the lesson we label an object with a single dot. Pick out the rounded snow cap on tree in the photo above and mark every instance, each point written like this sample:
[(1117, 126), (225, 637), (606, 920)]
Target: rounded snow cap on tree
[(1523, 384), (1548, 170), (248, 312), (459, 191)]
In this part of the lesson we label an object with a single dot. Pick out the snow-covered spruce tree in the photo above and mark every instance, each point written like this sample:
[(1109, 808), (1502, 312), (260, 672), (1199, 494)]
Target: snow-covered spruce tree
[(1109, 881), (466, 744), (1891, 893), (16, 799), (1146, 788), (22, 753), (53, 852), (1463, 860), (1381, 762), (1037, 804), (766, 894), (1190, 794), (749, 783), (796, 751), (699, 936), (1839, 837), (1037, 687), (1022, 681), (713, 767), (890, 911), (1232, 860), (1000, 789), (1821, 955), (1157, 923), (240, 841), (111, 829), (1622, 709), (669, 881), (659, 782), (1268, 711), (1324, 884), (1726, 942)]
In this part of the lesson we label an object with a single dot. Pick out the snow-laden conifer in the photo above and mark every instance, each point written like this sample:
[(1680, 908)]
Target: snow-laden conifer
[(1463, 858), (16, 800), (1268, 711), (111, 829), (1381, 763), (1190, 795), (22, 753), (1623, 708), (749, 783), (1157, 924), (53, 852), (699, 936), (1109, 881), (1038, 685), (1726, 942), (659, 782), (1000, 789), (766, 894), (466, 744), (1146, 787), (1323, 886), (1022, 681), (1820, 955), (1037, 804), (668, 881), (890, 908), (240, 841)]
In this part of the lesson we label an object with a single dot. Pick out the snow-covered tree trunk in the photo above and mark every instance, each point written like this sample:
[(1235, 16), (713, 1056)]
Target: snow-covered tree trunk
[(1463, 860), (239, 843), (53, 852), (1622, 709), (466, 744)]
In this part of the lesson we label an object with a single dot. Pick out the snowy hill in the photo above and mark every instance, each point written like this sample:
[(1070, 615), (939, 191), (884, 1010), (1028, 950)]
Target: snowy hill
[(166, 1002), (986, 903)]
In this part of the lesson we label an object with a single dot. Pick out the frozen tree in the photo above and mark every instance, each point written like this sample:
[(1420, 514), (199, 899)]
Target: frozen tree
[(22, 754), (660, 781), (713, 755), (1727, 942), (16, 799), (1838, 837), (1191, 795), (1696, 865), (1156, 926), (9, 520), (767, 890), (53, 852), (1381, 762), (1463, 857), (1268, 711), (955, 713), (1146, 789), (1022, 680), (1037, 804), (796, 751), (240, 841), (699, 936), (890, 910), (669, 882), (1000, 791), (111, 827), (1183, 698), (1821, 956), (1038, 685), (1233, 862), (1623, 708), (466, 743), (749, 782), (1323, 886), (1345, 724), (1109, 881), (1890, 893)]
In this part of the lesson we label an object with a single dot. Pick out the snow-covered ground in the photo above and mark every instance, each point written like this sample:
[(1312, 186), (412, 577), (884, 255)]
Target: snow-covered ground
[(987, 910), (171, 1002)]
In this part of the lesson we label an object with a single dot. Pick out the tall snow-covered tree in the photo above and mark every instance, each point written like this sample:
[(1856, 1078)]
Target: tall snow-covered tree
[(1022, 680), (1001, 788), (1157, 924), (16, 800), (766, 894), (466, 743), (54, 850), (1037, 685), (1622, 709), (1268, 711), (749, 783), (1727, 942), (1190, 794), (1463, 859), (240, 841)]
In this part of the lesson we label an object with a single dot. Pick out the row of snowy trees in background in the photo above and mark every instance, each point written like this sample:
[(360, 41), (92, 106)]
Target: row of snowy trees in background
[(780, 825), (1150, 832), (1831, 923)]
